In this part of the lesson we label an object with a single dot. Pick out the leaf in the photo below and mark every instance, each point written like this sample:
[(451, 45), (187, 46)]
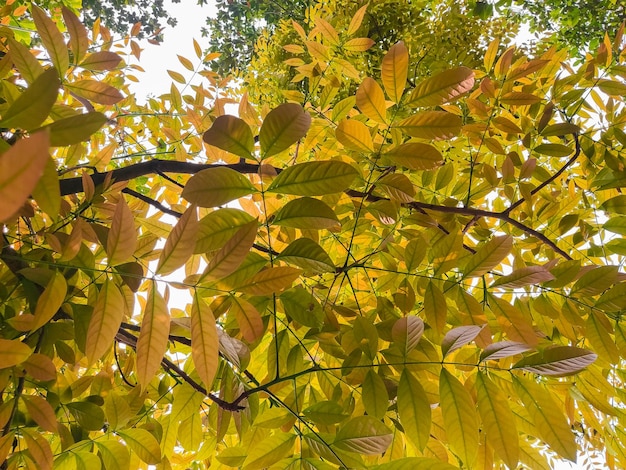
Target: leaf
[(357, 19), (374, 395), (595, 281), (614, 299), (394, 71), (33, 106), (79, 41), (13, 352), (233, 253), (300, 305), (503, 349), (407, 332), (40, 367), (41, 412), (307, 213), (516, 98), (114, 454), (612, 87), (459, 418), (522, 277), (554, 150), (153, 337), (231, 134), (204, 341), (363, 435), (459, 337), (38, 448), (216, 186), (325, 412), (431, 125), (86, 460), (308, 255), (506, 125), (557, 361), (398, 187), (50, 301), (75, 129), (269, 451), (442, 88), (180, 243), (415, 463), (435, 307), (122, 238), (416, 156), (354, 135), (248, 318), (597, 334), (498, 420), (25, 62), (142, 443), (105, 321), (101, 60), (550, 422), (370, 99), (358, 44), (52, 39), (218, 227), (560, 129), (20, 169), (283, 127), (414, 410), (88, 415), (314, 178), (270, 281), (95, 91), (488, 256), (47, 191)]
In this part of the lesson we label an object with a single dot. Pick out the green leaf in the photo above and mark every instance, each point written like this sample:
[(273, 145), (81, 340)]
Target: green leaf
[(283, 127), (414, 410), (415, 463), (557, 361), (374, 395), (488, 256), (307, 213), (216, 186), (33, 106), (218, 227), (89, 416), (364, 435), (416, 156), (269, 451), (308, 255), (74, 129), (302, 307), (554, 150), (442, 88), (142, 443), (233, 253), (326, 413), (314, 178), (231, 134), (435, 307), (595, 281), (459, 418), (431, 125), (498, 420), (614, 299), (615, 204), (114, 454), (50, 301)]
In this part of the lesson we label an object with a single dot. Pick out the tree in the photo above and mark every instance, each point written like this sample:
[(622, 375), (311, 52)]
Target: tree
[(422, 274)]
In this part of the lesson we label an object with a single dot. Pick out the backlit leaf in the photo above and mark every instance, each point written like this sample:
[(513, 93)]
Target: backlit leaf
[(370, 99), (101, 60), (416, 156), (41, 412), (363, 435), (50, 300), (13, 352), (459, 337), (516, 98), (522, 277), (204, 340), (374, 395), (614, 299), (415, 463), (308, 255), (354, 135), (435, 307), (25, 62), (554, 150), (300, 305), (47, 191), (498, 420), (218, 227), (314, 178), (357, 19), (460, 418), (248, 319), (358, 44), (414, 410), (33, 106), (232, 254), (20, 168), (75, 129), (488, 256), (105, 321), (216, 186), (142, 443), (283, 127), (270, 281), (269, 451), (52, 39), (306, 213), (502, 349), (595, 281), (431, 125), (122, 238), (114, 454), (442, 88), (558, 361), (406, 332), (180, 244), (394, 71), (231, 134), (153, 336), (79, 41), (38, 448)]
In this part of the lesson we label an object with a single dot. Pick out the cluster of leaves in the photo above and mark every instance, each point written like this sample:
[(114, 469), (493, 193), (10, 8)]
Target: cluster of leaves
[(419, 274)]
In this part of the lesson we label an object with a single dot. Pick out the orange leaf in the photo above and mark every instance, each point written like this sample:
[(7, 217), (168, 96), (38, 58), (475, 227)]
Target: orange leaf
[(371, 100), (105, 321), (204, 341), (122, 238), (153, 337), (394, 71), (180, 242)]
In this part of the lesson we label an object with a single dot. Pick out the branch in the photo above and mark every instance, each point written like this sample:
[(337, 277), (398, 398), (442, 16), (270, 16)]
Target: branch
[(152, 202)]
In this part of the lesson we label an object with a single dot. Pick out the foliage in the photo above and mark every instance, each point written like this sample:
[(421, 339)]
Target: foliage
[(415, 275)]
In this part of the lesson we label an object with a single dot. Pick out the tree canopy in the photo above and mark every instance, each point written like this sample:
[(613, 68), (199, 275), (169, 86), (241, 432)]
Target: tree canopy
[(377, 263)]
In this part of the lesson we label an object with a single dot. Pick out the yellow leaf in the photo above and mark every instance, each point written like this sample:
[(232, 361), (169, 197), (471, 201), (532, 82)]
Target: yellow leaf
[(79, 41), (490, 55), (231, 134), (41, 411), (177, 76), (20, 169), (25, 62), (122, 238), (248, 318), (216, 186), (40, 367), (488, 256), (432, 125), (374, 395), (204, 341), (269, 451), (143, 443), (38, 448), (549, 421), (52, 40), (232, 254), (498, 420), (282, 127), (153, 337), (371, 100), (435, 307), (357, 19), (459, 418), (354, 135), (414, 410), (180, 243), (443, 87), (358, 44), (270, 281), (50, 300), (394, 71), (101, 60), (328, 32), (98, 92), (47, 192), (105, 321), (186, 62), (74, 129)]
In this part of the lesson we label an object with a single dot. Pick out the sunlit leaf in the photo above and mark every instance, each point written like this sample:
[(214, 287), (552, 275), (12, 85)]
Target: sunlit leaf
[(416, 156), (270, 281), (50, 301), (459, 337), (79, 41), (41, 412), (374, 395), (142, 443), (153, 337), (28, 66), (38, 448), (502, 349), (114, 454), (364, 435), (524, 277), (371, 100), (105, 321), (406, 332), (269, 451), (354, 135), (308, 255), (218, 227), (314, 178), (232, 254), (205, 341), (95, 91), (248, 319), (414, 410), (488, 256), (283, 127), (122, 238), (216, 186), (74, 129), (231, 134), (415, 463), (431, 125), (442, 88), (52, 39), (101, 60), (394, 71), (181, 242), (307, 213)]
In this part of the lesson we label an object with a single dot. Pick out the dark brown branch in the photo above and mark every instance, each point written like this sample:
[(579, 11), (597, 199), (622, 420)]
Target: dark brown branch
[(152, 202)]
